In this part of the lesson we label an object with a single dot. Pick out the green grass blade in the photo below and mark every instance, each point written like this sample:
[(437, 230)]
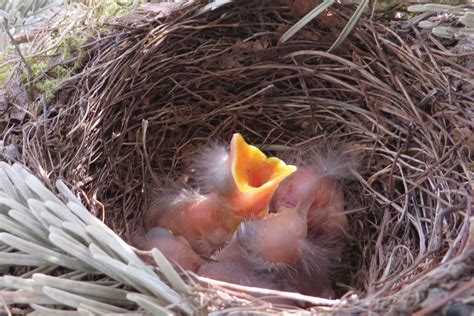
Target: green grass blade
[(306, 19), (76, 301), (20, 259), (350, 25), (150, 304)]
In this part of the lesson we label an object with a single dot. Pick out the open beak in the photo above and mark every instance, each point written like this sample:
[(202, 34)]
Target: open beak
[(255, 178)]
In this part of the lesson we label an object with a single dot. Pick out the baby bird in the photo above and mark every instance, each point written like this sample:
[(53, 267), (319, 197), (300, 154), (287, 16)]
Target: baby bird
[(201, 219), (277, 239), (241, 183), (280, 243), (273, 252), (243, 179), (314, 190), (230, 265), (175, 248), (314, 193)]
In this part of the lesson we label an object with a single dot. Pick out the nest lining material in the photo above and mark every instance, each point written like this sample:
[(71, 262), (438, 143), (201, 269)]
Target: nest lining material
[(154, 90)]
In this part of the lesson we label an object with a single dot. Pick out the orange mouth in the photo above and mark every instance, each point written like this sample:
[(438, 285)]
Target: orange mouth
[(256, 177)]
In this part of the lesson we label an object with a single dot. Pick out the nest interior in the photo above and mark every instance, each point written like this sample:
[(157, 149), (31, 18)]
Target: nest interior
[(155, 88)]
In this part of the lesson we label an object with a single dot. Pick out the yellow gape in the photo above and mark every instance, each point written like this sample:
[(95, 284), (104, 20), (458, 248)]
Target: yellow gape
[(255, 178)]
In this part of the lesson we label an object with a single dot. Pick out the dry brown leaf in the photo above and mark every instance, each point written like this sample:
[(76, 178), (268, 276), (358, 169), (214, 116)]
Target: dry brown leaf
[(464, 134)]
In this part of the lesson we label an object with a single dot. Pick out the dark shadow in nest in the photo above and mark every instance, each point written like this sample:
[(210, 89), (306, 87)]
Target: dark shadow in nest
[(155, 91)]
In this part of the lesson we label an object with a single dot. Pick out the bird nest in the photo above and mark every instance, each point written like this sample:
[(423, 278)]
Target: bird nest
[(154, 88)]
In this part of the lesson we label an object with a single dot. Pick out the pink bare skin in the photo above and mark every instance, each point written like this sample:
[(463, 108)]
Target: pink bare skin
[(319, 196), (200, 219), (175, 248)]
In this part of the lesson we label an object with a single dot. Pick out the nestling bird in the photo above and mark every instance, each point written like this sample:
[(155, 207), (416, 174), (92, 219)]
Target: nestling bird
[(314, 193), (274, 252), (277, 239), (201, 219), (282, 244), (243, 179), (314, 190), (241, 183), (230, 265), (175, 248)]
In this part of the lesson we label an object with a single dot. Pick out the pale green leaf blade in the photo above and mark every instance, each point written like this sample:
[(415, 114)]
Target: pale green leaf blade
[(76, 301)]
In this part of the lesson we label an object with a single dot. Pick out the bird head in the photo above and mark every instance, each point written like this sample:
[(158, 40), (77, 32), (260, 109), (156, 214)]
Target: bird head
[(273, 241), (250, 179), (243, 178)]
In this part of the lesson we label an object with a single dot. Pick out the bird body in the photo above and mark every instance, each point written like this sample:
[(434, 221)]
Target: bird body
[(174, 248), (276, 239), (200, 219), (229, 265), (242, 184), (274, 252)]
